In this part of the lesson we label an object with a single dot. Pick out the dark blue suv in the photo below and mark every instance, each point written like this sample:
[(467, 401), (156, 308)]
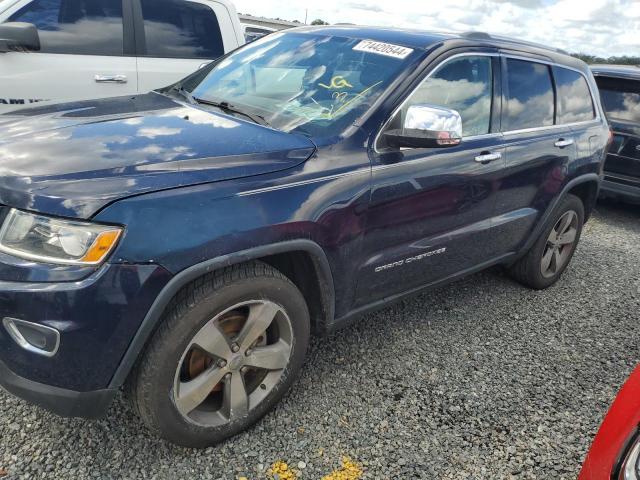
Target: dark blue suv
[(620, 94), (184, 244)]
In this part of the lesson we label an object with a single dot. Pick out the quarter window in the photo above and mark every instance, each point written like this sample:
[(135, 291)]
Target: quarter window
[(574, 97), (530, 97), (181, 29), (464, 84), (82, 27)]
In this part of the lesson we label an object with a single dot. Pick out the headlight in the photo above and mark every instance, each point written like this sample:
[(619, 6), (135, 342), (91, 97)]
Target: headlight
[(631, 466), (52, 240)]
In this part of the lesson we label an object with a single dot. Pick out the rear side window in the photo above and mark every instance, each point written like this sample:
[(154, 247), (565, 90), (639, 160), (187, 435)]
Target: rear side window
[(620, 98), (81, 27), (181, 29), (530, 97), (574, 97)]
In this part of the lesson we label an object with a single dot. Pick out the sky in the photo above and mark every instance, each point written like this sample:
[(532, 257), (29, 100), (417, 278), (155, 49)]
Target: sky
[(598, 27)]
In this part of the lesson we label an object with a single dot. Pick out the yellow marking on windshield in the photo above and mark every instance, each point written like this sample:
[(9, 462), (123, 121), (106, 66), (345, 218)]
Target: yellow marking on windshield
[(340, 96), (337, 83), (356, 97)]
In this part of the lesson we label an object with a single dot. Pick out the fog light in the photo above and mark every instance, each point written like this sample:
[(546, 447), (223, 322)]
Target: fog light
[(33, 337)]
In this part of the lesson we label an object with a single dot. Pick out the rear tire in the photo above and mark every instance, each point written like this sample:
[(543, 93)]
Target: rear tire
[(227, 350), (550, 255)]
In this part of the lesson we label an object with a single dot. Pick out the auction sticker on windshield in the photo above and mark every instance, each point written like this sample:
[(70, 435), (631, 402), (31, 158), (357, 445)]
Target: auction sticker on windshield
[(386, 49)]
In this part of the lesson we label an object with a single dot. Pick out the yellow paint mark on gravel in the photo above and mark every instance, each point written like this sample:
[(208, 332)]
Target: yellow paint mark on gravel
[(349, 471), (281, 471)]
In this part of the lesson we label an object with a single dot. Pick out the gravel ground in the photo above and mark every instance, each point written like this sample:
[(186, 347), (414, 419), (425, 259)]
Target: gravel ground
[(482, 379)]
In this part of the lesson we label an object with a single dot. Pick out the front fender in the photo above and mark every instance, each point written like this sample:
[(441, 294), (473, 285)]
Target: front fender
[(192, 231), (154, 315)]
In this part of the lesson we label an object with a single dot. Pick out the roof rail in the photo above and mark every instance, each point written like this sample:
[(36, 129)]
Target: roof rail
[(487, 36), (474, 34)]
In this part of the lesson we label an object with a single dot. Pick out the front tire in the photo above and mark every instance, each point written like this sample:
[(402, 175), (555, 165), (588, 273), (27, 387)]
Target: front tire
[(549, 257), (227, 350)]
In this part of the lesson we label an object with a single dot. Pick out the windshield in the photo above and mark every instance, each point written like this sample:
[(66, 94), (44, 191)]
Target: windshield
[(310, 84), (620, 98)]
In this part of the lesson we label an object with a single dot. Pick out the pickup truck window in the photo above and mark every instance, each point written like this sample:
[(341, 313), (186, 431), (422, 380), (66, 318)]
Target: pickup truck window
[(620, 98), (80, 27), (312, 84), (530, 96), (574, 97), (179, 29)]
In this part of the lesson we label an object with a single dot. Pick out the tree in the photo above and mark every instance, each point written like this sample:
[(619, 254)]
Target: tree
[(317, 21), (623, 60)]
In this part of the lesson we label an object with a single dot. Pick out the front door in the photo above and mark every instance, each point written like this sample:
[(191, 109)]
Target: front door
[(82, 53), (431, 209)]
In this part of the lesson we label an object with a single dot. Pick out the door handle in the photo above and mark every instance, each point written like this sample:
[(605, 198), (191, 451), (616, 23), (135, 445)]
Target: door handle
[(486, 157), (111, 78), (564, 142)]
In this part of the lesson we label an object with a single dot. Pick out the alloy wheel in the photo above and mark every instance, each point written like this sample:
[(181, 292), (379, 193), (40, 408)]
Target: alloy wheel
[(233, 363), (560, 244)]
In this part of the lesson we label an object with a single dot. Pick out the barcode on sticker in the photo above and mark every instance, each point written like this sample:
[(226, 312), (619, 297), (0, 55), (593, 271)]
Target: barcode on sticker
[(386, 49)]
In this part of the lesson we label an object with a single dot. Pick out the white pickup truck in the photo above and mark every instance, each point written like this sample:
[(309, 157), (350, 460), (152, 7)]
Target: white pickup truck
[(80, 49)]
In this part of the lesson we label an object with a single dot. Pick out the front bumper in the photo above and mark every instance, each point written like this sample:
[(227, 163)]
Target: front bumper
[(97, 318), (63, 402)]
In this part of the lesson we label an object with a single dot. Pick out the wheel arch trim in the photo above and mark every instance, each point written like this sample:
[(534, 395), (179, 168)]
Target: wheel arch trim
[(181, 279), (582, 179)]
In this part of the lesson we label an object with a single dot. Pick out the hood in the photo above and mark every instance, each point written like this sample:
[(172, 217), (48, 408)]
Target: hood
[(72, 159)]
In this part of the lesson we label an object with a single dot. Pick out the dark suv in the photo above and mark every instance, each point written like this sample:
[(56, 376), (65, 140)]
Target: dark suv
[(620, 93), (184, 244)]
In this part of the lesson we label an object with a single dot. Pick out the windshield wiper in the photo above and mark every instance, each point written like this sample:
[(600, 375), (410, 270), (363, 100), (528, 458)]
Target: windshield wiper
[(227, 107), (179, 89)]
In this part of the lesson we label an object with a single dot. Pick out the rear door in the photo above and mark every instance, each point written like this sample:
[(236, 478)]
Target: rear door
[(539, 151), (86, 52), (621, 101), (176, 37)]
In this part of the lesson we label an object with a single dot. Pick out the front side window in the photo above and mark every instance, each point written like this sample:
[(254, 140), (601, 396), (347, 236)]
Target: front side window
[(574, 97), (620, 98), (316, 85), (81, 27), (530, 97), (463, 84), (181, 29)]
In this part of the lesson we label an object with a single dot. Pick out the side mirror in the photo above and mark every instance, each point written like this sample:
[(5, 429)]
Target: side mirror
[(18, 36), (427, 126)]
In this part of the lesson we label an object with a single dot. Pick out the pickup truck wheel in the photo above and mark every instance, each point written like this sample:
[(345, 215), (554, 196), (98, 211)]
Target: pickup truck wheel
[(549, 257), (226, 352)]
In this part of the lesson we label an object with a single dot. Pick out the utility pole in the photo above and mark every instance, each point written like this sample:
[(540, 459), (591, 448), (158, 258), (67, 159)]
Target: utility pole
[(306, 14)]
